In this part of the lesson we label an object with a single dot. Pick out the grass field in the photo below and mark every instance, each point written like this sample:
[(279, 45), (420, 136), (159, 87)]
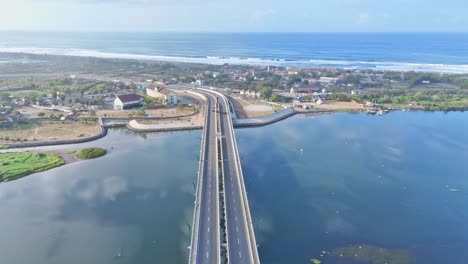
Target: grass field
[(14, 165), (91, 153)]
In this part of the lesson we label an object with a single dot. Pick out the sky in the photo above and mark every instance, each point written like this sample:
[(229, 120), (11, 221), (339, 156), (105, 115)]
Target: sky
[(236, 16)]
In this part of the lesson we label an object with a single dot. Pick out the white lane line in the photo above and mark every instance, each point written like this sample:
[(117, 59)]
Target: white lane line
[(207, 255), (238, 242), (235, 218), (208, 218), (240, 255), (237, 229), (208, 229)]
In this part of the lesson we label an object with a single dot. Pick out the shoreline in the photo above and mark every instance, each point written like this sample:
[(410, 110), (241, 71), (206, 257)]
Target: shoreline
[(239, 61), (177, 128)]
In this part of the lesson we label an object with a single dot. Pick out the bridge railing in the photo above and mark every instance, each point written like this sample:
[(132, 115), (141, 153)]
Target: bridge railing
[(196, 212)]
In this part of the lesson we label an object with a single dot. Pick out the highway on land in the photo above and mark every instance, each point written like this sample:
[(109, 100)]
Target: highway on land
[(208, 241)]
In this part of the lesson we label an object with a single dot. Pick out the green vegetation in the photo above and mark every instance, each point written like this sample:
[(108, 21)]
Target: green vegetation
[(71, 151), (14, 165), (316, 261), (375, 255), (91, 153), (427, 100), (3, 147)]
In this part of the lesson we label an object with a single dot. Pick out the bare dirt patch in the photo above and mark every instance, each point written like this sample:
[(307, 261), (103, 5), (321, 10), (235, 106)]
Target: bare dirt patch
[(50, 130), (258, 108), (159, 112), (253, 108)]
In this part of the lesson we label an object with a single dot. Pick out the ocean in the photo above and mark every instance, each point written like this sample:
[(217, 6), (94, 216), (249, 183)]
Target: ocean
[(432, 52)]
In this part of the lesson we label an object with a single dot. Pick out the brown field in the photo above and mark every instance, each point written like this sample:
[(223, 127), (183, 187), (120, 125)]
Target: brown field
[(50, 130), (338, 106), (162, 112), (244, 111), (31, 112), (196, 119)]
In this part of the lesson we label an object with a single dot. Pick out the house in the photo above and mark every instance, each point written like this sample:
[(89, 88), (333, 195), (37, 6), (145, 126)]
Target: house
[(200, 82), (127, 101), (327, 80), (170, 98)]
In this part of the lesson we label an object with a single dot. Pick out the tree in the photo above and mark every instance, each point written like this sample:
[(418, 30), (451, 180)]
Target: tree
[(92, 113), (275, 98), (41, 114), (266, 92), (5, 96)]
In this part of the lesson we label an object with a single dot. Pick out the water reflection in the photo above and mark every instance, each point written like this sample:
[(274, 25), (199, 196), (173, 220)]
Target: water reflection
[(359, 179), (130, 206)]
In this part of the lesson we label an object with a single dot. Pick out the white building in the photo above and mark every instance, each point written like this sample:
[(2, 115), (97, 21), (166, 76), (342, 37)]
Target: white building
[(127, 101), (327, 80), (170, 98)]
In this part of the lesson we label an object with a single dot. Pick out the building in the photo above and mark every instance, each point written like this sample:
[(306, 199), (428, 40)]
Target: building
[(200, 82), (170, 98), (327, 80), (127, 101)]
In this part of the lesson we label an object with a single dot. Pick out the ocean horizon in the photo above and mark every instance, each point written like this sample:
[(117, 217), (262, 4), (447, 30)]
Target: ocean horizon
[(430, 52)]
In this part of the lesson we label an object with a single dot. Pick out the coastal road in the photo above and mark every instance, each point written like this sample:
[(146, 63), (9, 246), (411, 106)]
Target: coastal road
[(208, 239), (240, 249)]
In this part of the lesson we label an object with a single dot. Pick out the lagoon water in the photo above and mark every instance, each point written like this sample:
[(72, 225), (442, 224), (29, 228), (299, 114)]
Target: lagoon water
[(359, 180), (133, 202), (399, 181)]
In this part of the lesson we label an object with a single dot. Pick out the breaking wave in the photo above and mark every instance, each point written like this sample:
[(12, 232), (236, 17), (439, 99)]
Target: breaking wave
[(313, 63)]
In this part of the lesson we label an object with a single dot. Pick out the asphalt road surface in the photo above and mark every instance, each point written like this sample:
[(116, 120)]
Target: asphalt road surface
[(238, 237), (208, 234)]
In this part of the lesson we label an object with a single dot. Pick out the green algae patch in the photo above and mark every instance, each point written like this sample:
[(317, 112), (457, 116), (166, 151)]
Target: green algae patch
[(91, 153), (374, 255), (14, 165)]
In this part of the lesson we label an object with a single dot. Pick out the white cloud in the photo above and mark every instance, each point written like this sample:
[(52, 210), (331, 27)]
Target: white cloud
[(363, 18), (262, 15)]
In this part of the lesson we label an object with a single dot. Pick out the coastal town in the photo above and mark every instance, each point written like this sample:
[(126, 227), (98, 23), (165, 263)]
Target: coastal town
[(33, 106)]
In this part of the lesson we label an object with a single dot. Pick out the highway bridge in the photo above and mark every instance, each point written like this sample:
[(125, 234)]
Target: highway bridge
[(222, 230)]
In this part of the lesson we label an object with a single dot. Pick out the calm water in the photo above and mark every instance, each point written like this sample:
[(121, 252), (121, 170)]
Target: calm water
[(444, 52), (379, 181), (135, 201)]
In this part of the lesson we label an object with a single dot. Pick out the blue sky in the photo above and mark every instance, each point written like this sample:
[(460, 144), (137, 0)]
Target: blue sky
[(236, 16)]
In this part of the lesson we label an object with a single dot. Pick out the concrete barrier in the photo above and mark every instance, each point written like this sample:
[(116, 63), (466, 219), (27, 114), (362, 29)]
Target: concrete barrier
[(196, 212), (266, 120), (138, 127)]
